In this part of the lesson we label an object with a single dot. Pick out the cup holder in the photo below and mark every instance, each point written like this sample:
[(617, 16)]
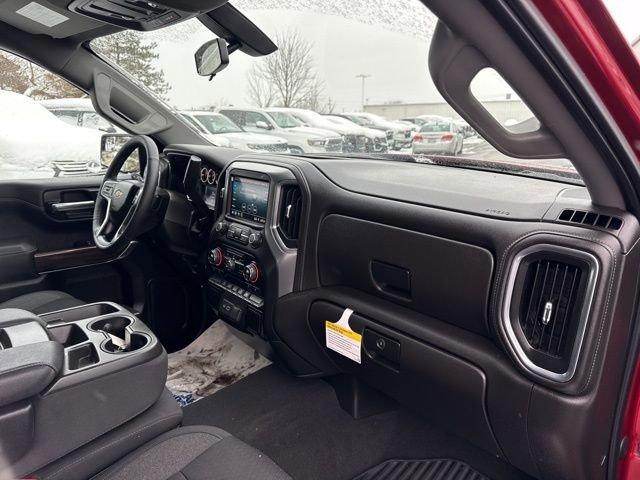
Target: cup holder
[(121, 339), (114, 325), (134, 341)]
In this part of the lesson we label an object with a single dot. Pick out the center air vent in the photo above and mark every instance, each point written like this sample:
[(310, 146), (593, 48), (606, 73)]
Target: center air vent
[(290, 214), (548, 302)]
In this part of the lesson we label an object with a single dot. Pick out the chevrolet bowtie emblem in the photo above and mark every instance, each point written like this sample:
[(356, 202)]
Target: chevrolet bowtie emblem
[(118, 193)]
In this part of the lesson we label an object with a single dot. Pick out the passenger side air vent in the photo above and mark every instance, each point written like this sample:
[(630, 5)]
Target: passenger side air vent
[(135, 14), (290, 214), (549, 298), (592, 219), (549, 310)]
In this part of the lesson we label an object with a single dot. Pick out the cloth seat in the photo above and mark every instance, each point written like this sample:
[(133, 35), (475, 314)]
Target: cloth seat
[(44, 301), (194, 453)]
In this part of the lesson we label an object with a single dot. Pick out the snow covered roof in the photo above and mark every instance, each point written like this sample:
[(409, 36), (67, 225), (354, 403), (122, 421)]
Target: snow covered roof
[(68, 103)]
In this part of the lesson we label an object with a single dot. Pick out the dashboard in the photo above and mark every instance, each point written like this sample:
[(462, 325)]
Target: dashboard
[(438, 265)]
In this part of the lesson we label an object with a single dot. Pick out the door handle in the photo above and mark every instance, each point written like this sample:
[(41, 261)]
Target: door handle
[(67, 207)]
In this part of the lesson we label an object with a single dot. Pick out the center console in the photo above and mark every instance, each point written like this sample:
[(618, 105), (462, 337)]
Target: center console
[(248, 266), (69, 377)]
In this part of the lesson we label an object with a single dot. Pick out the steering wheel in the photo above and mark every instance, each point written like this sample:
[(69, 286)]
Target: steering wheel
[(123, 207)]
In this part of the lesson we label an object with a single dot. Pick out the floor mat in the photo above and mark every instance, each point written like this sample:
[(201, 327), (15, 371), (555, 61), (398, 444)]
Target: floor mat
[(440, 469), (214, 360), (299, 424)]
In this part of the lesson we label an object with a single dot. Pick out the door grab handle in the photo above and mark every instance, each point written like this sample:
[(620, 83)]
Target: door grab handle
[(72, 206)]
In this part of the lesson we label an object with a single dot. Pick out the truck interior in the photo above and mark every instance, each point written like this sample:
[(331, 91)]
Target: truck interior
[(423, 320)]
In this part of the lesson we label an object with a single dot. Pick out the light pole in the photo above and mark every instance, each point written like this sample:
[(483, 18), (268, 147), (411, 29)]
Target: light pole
[(362, 76)]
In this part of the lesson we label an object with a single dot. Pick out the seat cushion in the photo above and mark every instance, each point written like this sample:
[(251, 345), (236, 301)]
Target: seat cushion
[(195, 453), (44, 301)]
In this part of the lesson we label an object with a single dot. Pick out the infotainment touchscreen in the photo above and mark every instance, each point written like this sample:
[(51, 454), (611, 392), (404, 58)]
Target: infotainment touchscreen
[(249, 199)]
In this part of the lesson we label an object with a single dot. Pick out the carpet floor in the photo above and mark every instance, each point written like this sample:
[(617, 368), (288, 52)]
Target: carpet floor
[(299, 424)]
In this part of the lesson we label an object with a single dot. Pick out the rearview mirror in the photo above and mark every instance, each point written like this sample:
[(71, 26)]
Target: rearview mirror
[(212, 57), (263, 125), (110, 145)]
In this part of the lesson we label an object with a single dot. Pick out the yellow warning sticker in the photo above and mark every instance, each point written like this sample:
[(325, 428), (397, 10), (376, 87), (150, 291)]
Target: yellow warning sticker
[(341, 339)]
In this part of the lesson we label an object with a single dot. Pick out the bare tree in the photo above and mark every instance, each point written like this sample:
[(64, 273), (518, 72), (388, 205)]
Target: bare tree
[(288, 77), (262, 92)]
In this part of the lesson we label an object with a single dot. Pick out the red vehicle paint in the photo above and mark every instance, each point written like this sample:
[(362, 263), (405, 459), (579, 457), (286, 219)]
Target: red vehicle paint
[(591, 36)]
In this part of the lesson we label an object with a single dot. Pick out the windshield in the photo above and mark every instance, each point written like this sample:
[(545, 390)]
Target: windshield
[(284, 120), (216, 123), (350, 59), (362, 121), (436, 127)]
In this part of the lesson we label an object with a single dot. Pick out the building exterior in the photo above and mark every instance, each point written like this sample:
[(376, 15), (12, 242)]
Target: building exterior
[(506, 110)]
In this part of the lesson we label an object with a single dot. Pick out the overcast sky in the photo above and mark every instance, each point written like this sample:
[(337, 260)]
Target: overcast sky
[(388, 40), (626, 13)]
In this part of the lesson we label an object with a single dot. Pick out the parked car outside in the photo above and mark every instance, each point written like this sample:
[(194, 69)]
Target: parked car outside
[(79, 112), (301, 139), (58, 149), (399, 135), (415, 120), (376, 139), (223, 130), (353, 139), (438, 137)]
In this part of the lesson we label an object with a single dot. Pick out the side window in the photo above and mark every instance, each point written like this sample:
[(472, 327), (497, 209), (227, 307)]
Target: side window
[(67, 117), (236, 117), (95, 121), (35, 143), (252, 119)]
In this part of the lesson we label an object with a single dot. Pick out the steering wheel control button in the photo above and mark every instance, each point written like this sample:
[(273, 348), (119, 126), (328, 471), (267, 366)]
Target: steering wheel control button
[(107, 190)]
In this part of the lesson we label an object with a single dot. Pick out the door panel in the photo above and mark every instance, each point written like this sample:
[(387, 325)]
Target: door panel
[(46, 226)]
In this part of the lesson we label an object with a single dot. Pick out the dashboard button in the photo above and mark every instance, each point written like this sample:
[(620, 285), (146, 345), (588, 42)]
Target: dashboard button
[(255, 299)]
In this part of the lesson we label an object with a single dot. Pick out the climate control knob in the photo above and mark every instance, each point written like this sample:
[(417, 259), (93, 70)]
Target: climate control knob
[(251, 272), (216, 257)]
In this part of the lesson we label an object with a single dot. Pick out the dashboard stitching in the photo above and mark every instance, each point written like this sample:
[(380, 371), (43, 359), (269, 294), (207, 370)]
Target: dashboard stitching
[(606, 306)]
